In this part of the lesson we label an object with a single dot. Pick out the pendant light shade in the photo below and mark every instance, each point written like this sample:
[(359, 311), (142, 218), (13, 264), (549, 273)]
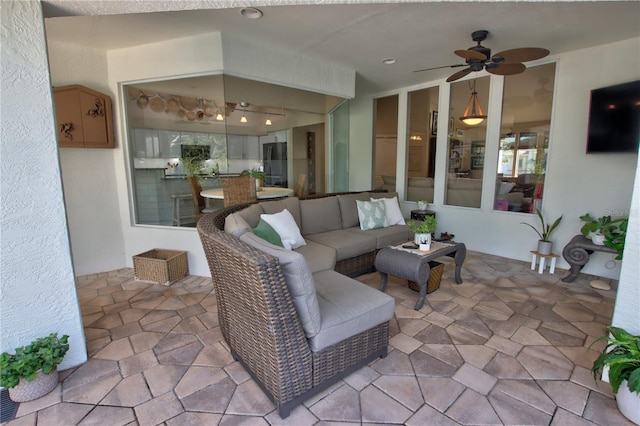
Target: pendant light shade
[(219, 116), (473, 114), (243, 119), (268, 122)]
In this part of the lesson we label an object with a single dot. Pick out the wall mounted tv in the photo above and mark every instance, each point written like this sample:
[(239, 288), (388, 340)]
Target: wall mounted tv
[(614, 119)]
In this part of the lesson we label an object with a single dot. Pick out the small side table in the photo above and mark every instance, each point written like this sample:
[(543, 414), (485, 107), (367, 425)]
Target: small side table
[(421, 214), (543, 258)]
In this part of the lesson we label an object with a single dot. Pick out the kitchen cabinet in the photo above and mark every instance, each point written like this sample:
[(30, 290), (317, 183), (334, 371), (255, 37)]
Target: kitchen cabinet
[(243, 147), (84, 117)]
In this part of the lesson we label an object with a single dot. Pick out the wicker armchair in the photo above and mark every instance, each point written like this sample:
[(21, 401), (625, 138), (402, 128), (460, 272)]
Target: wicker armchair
[(259, 322), (238, 190)]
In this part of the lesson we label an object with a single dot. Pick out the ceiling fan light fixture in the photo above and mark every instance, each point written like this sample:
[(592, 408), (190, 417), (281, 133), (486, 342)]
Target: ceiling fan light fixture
[(251, 13), (473, 114)]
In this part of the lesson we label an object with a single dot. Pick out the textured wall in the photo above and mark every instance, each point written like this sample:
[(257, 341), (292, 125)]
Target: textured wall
[(37, 288)]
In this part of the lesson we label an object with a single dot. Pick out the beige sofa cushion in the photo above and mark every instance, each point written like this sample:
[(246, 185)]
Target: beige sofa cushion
[(290, 203), (384, 237), (349, 208), (251, 214), (318, 256), (299, 281), (421, 182), (346, 244), (320, 215), (347, 308), (236, 225)]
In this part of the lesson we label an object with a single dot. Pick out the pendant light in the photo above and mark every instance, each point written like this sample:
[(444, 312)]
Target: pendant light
[(243, 119), (219, 116), (268, 121), (473, 114)]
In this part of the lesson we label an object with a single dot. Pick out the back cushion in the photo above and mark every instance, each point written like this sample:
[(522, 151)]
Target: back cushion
[(299, 281), (251, 214), (349, 209), (290, 203), (389, 180), (235, 225), (422, 182), (320, 215)]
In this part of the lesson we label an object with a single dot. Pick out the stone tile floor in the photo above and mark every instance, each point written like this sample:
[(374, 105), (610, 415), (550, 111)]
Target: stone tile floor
[(508, 346)]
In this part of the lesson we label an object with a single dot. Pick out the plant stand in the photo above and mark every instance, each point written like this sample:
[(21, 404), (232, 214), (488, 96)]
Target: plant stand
[(543, 258)]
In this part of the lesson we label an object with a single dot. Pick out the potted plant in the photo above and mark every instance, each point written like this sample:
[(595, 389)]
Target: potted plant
[(32, 372), (258, 176), (606, 231), (422, 205), (423, 229), (621, 356), (544, 244)]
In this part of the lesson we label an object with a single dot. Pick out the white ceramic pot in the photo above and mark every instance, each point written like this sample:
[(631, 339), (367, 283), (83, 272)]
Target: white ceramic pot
[(544, 247), (628, 403), (422, 205), (421, 239), (598, 239)]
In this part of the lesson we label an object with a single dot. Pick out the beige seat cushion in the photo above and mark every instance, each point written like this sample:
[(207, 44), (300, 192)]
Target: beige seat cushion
[(318, 256), (347, 307), (347, 244)]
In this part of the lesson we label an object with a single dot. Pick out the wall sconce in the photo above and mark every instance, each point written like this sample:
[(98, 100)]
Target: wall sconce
[(473, 114)]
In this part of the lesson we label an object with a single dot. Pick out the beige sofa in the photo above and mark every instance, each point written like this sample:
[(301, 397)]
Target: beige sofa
[(296, 324), (464, 192)]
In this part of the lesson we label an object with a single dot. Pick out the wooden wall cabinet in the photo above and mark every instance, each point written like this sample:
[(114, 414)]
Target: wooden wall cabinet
[(84, 117)]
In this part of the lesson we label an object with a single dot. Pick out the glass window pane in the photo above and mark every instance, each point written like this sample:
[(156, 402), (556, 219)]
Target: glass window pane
[(522, 154), (386, 143), (421, 146), (466, 154)]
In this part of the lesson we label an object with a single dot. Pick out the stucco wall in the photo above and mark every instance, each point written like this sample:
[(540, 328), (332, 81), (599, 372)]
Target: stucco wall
[(37, 288), (88, 175)]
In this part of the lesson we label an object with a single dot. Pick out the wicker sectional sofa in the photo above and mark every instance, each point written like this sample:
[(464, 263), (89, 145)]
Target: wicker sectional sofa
[(290, 317)]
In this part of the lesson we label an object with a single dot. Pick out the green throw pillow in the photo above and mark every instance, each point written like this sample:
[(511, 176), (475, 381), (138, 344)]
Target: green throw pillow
[(267, 233), (372, 214)]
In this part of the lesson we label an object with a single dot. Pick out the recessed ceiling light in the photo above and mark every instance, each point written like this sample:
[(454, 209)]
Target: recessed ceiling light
[(389, 61), (251, 13)]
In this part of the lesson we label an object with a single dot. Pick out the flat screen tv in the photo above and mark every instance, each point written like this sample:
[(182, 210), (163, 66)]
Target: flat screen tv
[(614, 119)]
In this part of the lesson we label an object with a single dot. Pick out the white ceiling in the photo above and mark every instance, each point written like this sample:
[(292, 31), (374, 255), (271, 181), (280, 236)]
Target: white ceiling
[(357, 36)]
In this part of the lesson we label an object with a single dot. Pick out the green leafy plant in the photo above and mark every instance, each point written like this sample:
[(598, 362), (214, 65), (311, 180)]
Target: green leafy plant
[(614, 231), (545, 232), (191, 166), (426, 226), (256, 174), (622, 356), (44, 353)]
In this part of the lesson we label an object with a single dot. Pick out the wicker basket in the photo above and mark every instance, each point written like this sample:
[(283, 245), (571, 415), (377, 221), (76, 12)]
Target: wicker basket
[(160, 266), (435, 275)]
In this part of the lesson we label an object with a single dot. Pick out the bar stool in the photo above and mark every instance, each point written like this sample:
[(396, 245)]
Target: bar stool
[(178, 216)]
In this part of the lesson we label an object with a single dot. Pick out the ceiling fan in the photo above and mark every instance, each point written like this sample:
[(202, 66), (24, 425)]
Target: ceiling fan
[(478, 57)]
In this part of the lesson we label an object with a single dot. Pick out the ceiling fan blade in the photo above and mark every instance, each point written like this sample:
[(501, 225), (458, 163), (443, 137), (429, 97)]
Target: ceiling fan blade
[(507, 69), (444, 66), (458, 75), (470, 54), (522, 54)]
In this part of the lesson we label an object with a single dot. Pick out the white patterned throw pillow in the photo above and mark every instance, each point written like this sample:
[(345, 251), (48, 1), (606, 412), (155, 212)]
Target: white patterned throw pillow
[(285, 225), (392, 209), (372, 214)]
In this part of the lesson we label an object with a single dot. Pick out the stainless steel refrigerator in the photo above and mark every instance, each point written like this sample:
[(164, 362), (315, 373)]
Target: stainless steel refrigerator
[(274, 156)]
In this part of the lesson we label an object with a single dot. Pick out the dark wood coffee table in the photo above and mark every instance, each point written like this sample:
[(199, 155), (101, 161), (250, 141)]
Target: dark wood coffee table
[(414, 264)]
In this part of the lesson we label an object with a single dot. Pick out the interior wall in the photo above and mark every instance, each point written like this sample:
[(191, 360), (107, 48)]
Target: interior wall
[(577, 183), (88, 175), (37, 285)]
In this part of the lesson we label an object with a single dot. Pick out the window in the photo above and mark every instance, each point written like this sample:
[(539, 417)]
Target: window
[(228, 124), (524, 140), (466, 153), (386, 142), (421, 143)]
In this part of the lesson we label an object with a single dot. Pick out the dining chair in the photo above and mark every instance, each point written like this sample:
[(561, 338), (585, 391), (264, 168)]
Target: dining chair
[(199, 204), (238, 190), (301, 186)]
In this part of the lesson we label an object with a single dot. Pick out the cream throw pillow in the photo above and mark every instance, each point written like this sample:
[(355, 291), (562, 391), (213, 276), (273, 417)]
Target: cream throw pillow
[(285, 225), (392, 210)]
